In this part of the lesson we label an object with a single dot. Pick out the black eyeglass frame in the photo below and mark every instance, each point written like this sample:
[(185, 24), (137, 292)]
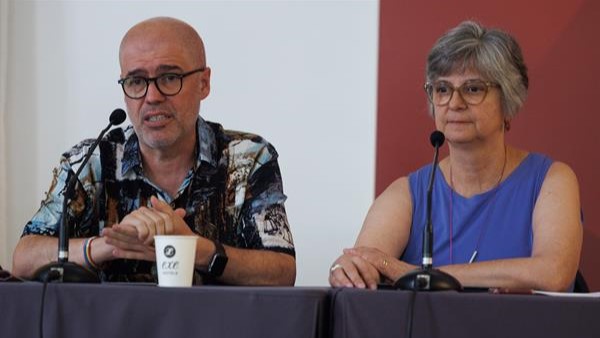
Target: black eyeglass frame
[(148, 80), (428, 87)]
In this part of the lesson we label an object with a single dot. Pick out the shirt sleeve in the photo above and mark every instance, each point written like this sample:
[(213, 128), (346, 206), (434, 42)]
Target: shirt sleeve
[(265, 223), (47, 219)]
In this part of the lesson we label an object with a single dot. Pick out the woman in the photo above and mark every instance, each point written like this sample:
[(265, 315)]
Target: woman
[(502, 217)]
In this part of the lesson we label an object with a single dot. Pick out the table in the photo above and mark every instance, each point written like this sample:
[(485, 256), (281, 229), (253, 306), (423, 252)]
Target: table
[(129, 311), (384, 313)]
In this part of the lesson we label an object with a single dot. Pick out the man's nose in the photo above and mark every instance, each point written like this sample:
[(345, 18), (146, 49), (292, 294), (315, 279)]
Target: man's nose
[(153, 94)]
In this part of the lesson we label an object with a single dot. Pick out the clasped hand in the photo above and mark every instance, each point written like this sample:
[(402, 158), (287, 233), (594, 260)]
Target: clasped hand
[(365, 267), (133, 237)]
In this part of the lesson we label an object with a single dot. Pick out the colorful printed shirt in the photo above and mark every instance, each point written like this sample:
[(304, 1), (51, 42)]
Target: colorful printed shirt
[(234, 194)]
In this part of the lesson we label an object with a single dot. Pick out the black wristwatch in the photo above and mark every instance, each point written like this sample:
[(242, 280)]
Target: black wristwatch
[(217, 263)]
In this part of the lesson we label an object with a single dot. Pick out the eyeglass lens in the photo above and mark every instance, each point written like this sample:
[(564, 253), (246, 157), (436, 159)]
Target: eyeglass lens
[(167, 84), (472, 92)]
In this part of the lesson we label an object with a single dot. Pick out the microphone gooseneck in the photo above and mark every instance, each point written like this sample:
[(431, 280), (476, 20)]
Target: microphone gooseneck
[(426, 278), (437, 139), (70, 272)]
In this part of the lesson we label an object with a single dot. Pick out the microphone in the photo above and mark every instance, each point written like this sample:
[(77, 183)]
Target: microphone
[(426, 278), (63, 270), (437, 138), (118, 116)]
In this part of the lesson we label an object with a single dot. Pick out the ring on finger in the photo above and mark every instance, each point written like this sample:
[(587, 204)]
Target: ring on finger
[(335, 267)]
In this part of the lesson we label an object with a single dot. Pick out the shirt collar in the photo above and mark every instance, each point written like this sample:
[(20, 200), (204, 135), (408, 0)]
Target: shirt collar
[(131, 152), (207, 143), (207, 146)]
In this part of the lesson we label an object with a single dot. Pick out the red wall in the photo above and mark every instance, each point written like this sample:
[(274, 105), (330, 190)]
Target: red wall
[(561, 44)]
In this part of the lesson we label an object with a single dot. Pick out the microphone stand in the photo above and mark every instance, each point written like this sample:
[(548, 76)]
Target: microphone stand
[(426, 278), (63, 270)]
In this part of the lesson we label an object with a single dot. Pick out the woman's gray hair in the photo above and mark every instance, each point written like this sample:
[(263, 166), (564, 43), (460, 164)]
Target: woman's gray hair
[(493, 53)]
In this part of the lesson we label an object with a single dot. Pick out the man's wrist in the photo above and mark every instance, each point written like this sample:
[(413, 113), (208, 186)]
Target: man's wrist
[(87, 253), (100, 252), (218, 261)]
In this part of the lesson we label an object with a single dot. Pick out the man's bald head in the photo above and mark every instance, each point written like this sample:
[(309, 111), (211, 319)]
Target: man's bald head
[(162, 29)]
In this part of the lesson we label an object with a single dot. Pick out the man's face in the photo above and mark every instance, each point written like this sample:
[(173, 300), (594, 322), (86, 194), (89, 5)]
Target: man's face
[(164, 122)]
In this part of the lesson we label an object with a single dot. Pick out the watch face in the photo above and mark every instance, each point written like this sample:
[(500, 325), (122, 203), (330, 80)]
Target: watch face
[(217, 265), (218, 260)]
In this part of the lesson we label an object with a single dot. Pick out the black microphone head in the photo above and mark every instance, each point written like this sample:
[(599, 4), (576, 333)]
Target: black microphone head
[(117, 117), (437, 138)]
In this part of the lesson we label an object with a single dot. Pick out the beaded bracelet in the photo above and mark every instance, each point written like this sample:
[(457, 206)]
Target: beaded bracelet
[(87, 253)]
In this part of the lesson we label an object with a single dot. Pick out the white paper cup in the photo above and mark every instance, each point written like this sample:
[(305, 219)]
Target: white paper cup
[(175, 256)]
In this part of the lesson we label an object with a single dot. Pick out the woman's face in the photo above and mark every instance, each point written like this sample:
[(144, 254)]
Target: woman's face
[(464, 122)]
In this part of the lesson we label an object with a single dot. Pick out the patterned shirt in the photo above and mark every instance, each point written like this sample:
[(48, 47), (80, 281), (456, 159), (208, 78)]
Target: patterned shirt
[(233, 194)]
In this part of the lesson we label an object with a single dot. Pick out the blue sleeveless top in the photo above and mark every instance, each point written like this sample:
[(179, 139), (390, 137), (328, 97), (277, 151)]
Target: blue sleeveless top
[(497, 223)]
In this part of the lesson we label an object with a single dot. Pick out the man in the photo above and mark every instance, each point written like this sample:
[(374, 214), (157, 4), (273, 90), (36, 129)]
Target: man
[(171, 172)]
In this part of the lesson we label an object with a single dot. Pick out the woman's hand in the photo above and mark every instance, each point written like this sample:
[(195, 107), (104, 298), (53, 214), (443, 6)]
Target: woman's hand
[(388, 266), (363, 267), (353, 271)]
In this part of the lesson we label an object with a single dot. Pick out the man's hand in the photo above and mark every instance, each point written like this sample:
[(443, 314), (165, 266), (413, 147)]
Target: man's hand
[(133, 238)]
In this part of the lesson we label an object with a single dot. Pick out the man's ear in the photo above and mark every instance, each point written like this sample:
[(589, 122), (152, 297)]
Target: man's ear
[(205, 83)]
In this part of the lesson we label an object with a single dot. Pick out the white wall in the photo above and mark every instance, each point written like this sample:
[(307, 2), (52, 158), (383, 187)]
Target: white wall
[(4, 233), (300, 73)]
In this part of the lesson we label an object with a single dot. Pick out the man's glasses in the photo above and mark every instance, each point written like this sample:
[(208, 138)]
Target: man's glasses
[(472, 92), (168, 84)]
